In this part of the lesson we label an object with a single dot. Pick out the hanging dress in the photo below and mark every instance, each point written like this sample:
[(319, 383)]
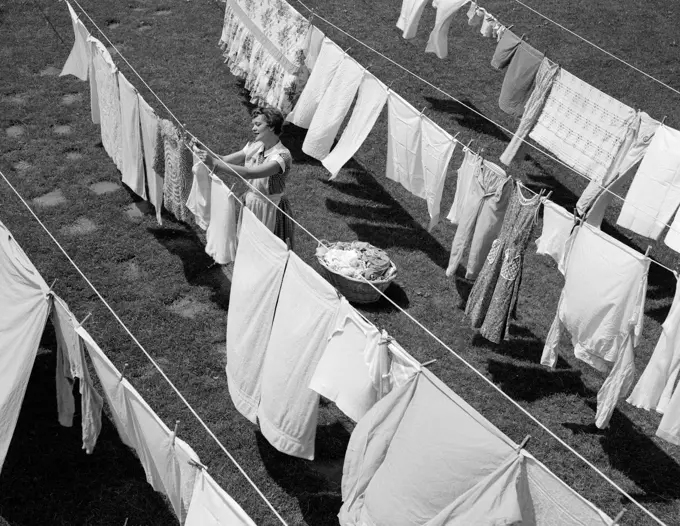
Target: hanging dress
[(493, 298), (273, 187)]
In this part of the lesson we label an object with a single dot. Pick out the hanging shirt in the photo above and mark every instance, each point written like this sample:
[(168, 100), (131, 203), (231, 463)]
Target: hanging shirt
[(354, 370), (114, 387), (199, 196), (423, 456), (261, 258), (166, 459), (333, 108), (305, 315), (24, 304), (131, 138), (369, 104), (173, 161), (657, 383), (557, 227), (418, 153), (221, 238), (654, 196), (108, 97), (522, 61), (149, 132), (602, 307), (71, 365), (438, 42), (212, 506), (78, 61), (328, 61)]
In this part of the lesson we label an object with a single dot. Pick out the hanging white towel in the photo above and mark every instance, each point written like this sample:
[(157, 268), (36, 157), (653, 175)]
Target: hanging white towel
[(165, 458), (328, 61), (371, 99), (211, 506), (149, 127), (305, 314), (78, 61), (71, 365), (199, 197), (114, 386), (24, 304), (221, 234), (258, 272), (418, 153), (131, 138), (333, 108)]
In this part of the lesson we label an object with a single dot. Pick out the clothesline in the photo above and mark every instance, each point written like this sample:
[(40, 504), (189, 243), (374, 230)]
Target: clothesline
[(598, 47), (153, 362), (414, 320), (500, 126)]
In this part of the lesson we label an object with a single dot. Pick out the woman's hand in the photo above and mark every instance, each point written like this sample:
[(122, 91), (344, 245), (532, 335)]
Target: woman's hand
[(205, 157)]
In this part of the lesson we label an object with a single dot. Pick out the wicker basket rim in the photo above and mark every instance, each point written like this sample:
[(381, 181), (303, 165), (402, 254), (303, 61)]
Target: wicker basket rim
[(391, 278)]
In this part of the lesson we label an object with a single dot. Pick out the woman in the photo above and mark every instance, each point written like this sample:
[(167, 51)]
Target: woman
[(265, 163)]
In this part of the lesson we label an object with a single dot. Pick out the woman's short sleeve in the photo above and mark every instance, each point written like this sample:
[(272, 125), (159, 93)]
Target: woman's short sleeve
[(284, 159)]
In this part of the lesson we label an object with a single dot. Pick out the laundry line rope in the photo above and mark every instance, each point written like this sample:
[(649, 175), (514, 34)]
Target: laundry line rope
[(477, 112), (651, 77), (408, 315), (155, 364)]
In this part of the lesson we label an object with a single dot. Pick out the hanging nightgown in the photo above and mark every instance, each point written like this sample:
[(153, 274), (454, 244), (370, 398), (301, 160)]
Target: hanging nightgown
[(494, 296)]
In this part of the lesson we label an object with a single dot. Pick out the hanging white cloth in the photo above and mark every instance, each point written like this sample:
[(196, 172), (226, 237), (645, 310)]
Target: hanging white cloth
[(78, 61), (327, 63), (25, 305), (305, 314), (261, 258), (221, 234), (131, 138), (212, 506), (149, 126), (199, 196), (438, 42)]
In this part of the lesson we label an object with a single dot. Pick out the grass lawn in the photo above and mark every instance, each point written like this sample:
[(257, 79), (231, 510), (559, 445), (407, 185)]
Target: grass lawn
[(159, 282)]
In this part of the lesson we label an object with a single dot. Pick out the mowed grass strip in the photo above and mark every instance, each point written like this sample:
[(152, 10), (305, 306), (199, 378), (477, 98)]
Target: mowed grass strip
[(158, 280)]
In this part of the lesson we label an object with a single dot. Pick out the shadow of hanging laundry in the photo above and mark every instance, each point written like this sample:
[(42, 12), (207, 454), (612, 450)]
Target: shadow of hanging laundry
[(467, 118), (66, 485)]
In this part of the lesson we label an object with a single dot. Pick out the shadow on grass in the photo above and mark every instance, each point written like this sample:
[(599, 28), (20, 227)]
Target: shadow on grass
[(636, 456), (629, 450), (467, 118), (199, 268), (47, 477), (315, 484), (401, 229)]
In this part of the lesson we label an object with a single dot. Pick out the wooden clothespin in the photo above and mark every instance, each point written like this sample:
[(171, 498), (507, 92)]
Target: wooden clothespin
[(423, 111), (649, 249), (85, 319), (522, 37), (618, 517), (548, 195), (174, 433), (510, 27), (429, 362), (524, 443), (663, 120), (197, 464), (347, 50), (469, 143), (389, 87), (312, 15), (52, 286), (456, 135), (122, 374)]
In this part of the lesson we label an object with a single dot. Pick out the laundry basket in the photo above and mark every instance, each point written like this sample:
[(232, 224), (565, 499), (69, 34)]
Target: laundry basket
[(354, 289)]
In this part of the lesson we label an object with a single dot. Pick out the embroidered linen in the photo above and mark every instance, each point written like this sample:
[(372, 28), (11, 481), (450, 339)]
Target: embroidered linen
[(264, 43), (173, 161)]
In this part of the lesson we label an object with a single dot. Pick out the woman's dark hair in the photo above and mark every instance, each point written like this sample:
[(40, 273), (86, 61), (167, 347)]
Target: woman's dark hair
[(272, 116)]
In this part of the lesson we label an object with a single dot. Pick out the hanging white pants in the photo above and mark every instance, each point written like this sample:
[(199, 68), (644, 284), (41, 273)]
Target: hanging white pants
[(439, 37), (409, 18), (436, 150), (370, 102)]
